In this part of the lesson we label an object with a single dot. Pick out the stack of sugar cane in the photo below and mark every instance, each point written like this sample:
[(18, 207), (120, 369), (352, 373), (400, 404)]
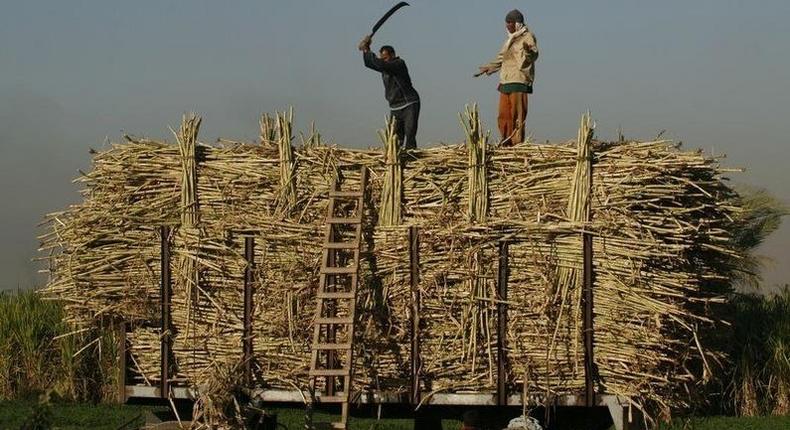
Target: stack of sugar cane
[(659, 218)]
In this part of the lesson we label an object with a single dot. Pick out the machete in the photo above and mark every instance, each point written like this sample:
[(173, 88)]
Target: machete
[(386, 17)]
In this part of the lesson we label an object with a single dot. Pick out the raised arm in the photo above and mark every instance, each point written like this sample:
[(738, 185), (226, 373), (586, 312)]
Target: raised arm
[(377, 64)]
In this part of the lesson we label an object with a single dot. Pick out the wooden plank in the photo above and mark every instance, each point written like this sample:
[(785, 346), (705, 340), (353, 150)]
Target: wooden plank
[(329, 372), (587, 326), (336, 295), (344, 220), (480, 399), (294, 396), (339, 270), (332, 346), (342, 245), (501, 351), (333, 399), (414, 280), (249, 255), (587, 299), (122, 362), (165, 297), (354, 194), (334, 320)]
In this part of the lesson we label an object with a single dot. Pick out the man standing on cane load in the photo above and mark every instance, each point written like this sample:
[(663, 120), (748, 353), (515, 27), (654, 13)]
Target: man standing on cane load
[(516, 65), (402, 97)]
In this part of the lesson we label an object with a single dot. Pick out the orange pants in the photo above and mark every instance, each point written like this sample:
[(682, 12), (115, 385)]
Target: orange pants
[(512, 116)]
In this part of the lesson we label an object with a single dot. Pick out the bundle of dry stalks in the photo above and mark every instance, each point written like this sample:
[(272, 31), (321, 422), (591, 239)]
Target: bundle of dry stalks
[(391, 193), (659, 219)]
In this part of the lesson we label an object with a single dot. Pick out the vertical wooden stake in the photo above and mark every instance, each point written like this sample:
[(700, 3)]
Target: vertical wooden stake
[(249, 255), (587, 328), (122, 362), (501, 353), (414, 279), (165, 293)]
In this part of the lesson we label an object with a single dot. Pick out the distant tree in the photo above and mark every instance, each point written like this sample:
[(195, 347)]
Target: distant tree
[(761, 216)]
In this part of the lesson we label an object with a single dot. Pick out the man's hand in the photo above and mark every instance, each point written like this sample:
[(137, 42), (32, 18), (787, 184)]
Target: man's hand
[(484, 70), (364, 44)]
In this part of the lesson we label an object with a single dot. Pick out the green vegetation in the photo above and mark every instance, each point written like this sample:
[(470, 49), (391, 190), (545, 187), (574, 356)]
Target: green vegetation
[(17, 414), (730, 423), (761, 217), (294, 419), (27, 328), (37, 354), (759, 349), (753, 377)]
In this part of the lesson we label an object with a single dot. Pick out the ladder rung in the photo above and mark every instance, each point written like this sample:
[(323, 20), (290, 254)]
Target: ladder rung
[(335, 295), (339, 270), (329, 372), (333, 399), (344, 220), (342, 245), (332, 346), (336, 193), (334, 320)]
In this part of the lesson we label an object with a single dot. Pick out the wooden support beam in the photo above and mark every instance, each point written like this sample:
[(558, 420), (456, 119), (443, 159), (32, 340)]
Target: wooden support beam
[(587, 327), (122, 362), (249, 255), (165, 297), (414, 280), (501, 352)]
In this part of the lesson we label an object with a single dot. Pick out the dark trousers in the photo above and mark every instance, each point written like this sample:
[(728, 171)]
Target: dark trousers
[(406, 120)]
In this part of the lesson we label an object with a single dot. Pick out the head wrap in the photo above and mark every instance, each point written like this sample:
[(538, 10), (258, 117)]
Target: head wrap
[(514, 16)]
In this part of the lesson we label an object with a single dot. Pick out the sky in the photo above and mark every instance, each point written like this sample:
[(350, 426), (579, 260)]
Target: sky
[(75, 75)]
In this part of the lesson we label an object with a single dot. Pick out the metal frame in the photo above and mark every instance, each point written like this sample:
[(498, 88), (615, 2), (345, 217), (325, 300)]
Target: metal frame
[(416, 396), (587, 325), (501, 345), (617, 405), (479, 399), (165, 296), (414, 279), (123, 359), (249, 255)]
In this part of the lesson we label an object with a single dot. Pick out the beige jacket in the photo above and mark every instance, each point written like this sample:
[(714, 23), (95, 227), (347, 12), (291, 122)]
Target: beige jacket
[(516, 60)]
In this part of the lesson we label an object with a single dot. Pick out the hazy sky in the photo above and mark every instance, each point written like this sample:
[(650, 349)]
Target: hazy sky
[(712, 73)]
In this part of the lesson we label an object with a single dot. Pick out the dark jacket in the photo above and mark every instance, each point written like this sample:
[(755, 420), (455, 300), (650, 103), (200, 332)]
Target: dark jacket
[(397, 84)]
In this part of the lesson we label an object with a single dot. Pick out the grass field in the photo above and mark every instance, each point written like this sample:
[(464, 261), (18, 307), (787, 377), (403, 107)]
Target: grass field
[(732, 423), (72, 416), (85, 416)]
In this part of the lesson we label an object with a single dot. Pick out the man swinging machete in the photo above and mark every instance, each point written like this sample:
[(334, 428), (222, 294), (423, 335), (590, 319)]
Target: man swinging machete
[(402, 97)]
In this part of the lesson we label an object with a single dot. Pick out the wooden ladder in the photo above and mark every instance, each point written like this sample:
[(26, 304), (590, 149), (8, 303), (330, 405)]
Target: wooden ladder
[(333, 334)]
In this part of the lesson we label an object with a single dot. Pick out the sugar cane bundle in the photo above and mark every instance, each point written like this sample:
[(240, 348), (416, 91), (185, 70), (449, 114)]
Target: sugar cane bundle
[(660, 219), (391, 192), (477, 144)]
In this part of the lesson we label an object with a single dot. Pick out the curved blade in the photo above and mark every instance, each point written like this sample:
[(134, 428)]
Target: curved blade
[(386, 16)]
